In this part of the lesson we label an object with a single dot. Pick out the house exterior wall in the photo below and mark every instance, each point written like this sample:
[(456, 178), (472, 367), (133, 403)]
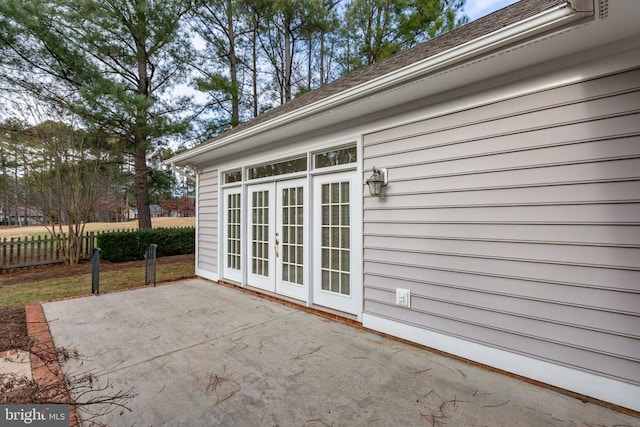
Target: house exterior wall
[(207, 225), (516, 227), (511, 214)]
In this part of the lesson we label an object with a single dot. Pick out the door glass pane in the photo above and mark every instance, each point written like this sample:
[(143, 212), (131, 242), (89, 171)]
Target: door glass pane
[(335, 252), (344, 238), (325, 194), (335, 193), (344, 193), (325, 213), (233, 231), (292, 228), (260, 233)]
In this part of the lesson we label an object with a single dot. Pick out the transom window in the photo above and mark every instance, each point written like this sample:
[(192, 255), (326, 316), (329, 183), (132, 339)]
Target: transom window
[(326, 159), (230, 177), (272, 169), (342, 156)]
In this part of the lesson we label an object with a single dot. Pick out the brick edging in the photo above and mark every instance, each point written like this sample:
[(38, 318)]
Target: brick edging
[(50, 373)]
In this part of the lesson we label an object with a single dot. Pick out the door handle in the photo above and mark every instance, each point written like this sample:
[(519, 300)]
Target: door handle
[(277, 242)]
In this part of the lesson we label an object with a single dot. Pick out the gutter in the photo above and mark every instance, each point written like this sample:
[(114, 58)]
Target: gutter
[(537, 24)]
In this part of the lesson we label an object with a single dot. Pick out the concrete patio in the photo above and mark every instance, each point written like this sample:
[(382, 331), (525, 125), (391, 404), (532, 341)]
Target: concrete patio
[(201, 354)]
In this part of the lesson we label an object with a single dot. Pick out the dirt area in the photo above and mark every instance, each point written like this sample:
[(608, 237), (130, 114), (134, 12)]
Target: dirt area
[(13, 329)]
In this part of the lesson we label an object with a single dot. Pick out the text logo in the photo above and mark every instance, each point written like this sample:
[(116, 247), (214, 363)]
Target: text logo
[(34, 415)]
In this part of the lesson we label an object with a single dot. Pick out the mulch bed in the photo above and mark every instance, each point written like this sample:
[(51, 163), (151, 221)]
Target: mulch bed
[(13, 329)]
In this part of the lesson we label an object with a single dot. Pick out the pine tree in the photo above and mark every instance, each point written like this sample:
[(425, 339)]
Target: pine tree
[(111, 62)]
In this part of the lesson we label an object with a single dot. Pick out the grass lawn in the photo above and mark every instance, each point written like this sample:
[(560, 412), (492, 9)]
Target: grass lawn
[(39, 230), (55, 282)]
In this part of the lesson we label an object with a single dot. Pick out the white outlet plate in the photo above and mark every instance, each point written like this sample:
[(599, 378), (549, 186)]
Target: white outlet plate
[(403, 297)]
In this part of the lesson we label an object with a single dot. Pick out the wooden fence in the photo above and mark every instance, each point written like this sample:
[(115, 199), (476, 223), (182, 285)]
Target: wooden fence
[(19, 252)]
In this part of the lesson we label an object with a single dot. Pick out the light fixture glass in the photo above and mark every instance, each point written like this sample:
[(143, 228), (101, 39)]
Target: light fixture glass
[(377, 181)]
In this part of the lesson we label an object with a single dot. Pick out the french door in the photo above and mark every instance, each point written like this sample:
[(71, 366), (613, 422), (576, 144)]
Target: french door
[(261, 236), (335, 237), (276, 217), (274, 228), (232, 234)]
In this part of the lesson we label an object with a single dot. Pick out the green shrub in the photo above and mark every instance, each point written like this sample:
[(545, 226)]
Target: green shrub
[(131, 245)]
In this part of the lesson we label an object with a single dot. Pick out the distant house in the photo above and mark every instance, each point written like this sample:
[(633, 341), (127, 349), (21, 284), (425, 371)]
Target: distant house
[(133, 212), (509, 229), (156, 211), (21, 215)]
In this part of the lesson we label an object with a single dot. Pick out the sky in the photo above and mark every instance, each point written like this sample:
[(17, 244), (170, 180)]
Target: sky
[(475, 9)]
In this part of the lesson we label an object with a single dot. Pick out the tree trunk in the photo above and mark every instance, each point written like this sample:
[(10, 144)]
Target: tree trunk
[(140, 139), (321, 66), (142, 194), (233, 68), (254, 70), (286, 80), (309, 58)]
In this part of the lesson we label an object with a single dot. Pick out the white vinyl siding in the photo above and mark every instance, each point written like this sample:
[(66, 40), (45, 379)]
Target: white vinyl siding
[(516, 225), (208, 222)]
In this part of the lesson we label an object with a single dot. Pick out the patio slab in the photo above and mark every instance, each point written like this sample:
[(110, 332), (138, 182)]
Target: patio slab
[(200, 354)]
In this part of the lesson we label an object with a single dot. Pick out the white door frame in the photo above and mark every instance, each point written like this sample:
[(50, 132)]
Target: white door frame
[(260, 234), (228, 272), (352, 302), (292, 288), (267, 250)]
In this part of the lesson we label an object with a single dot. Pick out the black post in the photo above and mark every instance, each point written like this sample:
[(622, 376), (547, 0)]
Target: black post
[(150, 265), (95, 271)]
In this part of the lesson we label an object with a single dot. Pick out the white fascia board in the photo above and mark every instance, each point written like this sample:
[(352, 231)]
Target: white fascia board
[(537, 24)]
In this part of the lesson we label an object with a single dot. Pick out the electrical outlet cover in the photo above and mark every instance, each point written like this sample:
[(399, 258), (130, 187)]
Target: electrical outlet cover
[(403, 297)]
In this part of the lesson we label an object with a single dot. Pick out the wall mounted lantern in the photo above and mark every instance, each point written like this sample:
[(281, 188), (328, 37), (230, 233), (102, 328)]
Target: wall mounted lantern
[(377, 181)]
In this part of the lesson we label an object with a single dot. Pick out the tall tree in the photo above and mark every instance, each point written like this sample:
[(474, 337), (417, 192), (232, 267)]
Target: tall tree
[(112, 62), (284, 27), (379, 28), (218, 24), (328, 25), (321, 20), (255, 15)]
